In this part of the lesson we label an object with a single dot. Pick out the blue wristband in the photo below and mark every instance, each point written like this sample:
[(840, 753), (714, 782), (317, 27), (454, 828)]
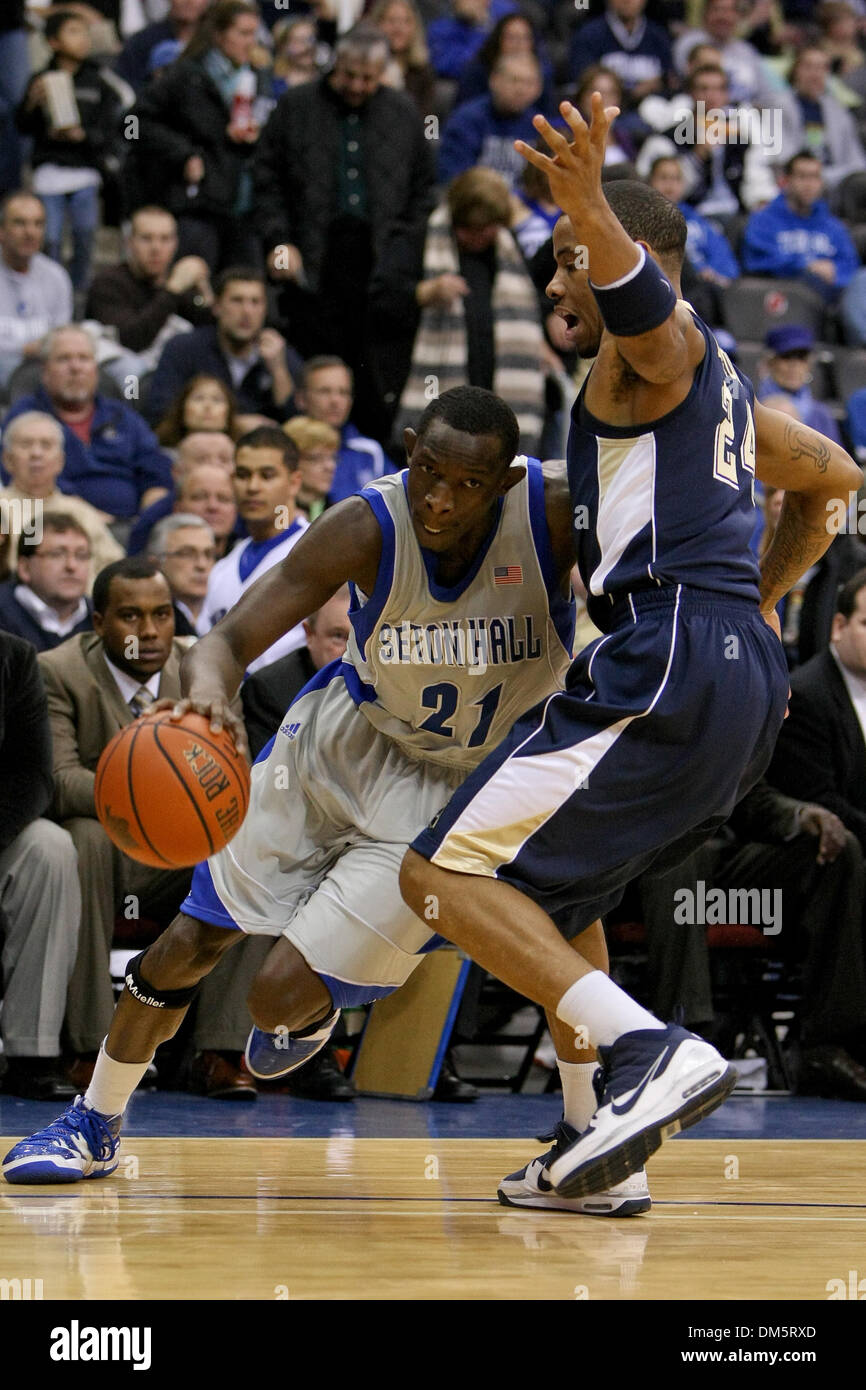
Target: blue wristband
[(637, 303)]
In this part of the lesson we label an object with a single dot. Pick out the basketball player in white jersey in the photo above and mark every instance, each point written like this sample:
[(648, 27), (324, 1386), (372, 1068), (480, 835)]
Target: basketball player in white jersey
[(462, 618)]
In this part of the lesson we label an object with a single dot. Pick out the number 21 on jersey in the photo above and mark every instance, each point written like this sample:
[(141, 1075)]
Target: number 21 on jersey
[(725, 457)]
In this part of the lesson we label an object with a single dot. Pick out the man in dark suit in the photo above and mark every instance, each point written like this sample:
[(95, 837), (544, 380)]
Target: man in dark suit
[(48, 602), (837, 565), (821, 752), (96, 684), (345, 181), (816, 893)]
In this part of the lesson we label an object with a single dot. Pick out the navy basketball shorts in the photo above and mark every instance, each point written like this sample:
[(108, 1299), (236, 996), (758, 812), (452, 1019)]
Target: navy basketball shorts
[(665, 723)]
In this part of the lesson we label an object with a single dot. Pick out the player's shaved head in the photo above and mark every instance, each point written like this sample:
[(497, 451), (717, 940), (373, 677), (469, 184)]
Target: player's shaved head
[(648, 216), (472, 410)]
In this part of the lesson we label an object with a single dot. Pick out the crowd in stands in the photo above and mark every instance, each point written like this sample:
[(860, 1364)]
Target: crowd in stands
[(239, 249)]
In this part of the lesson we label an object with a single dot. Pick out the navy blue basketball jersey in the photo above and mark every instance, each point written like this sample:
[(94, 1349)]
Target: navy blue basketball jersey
[(670, 502)]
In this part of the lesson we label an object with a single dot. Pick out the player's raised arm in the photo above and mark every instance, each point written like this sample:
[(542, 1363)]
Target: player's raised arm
[(816, 475), (638, 303), (344, 544)]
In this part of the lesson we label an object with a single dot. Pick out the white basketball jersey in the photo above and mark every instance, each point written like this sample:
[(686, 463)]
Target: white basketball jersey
[(445, 672)]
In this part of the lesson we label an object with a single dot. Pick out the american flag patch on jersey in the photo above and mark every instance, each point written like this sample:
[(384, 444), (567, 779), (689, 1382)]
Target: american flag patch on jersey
[(508, 574)]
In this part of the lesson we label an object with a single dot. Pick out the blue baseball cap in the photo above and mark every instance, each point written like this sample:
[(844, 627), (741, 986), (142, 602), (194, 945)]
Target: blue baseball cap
[(791, 337)]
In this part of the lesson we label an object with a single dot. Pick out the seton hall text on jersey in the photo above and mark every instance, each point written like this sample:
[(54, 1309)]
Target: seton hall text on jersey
[(469, 642)]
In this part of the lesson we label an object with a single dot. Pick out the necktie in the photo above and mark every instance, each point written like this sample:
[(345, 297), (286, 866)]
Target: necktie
[(141, 701)]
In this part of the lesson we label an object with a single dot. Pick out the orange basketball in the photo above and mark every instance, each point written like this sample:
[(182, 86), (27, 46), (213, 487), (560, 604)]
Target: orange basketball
[(170, 792)]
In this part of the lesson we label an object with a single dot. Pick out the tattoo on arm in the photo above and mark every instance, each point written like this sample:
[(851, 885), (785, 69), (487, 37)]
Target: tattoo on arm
[(797, 544), (806, 446)]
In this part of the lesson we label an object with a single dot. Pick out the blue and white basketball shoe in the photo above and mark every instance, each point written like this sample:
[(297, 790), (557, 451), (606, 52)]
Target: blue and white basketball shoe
[(270, 1055), (531, 1186), (82, 1143), (657, 1082)]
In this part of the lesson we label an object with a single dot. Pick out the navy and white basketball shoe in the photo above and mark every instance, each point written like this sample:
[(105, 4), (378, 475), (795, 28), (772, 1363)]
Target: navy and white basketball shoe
[(531, 1186), (657, 1082), (82, 1143), (270, 1055)]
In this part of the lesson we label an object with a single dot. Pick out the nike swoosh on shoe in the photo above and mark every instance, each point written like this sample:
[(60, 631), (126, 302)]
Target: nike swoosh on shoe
[(623, 1108)]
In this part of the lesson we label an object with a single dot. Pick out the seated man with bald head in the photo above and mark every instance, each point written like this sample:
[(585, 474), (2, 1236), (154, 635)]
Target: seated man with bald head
[(202, 484), (33, 457), (113, 459)]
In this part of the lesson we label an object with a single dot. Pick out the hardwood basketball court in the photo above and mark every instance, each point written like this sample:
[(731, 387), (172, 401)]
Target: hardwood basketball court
[(350, 1218)]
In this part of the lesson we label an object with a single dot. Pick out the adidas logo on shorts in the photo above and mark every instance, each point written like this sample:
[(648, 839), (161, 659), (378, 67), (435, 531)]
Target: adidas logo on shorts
[(290, 730)]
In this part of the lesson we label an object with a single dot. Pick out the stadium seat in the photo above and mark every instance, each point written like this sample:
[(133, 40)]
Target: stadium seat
[(747, 359), (849, 370), (494, 1017), (753, 305), (751, 991)]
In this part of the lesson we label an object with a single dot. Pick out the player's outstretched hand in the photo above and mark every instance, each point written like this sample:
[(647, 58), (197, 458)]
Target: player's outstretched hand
[(217, 710), (574, 166)]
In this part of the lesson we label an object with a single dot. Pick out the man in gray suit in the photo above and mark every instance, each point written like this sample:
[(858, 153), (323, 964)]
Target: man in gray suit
[(96, 683), (40, 904)]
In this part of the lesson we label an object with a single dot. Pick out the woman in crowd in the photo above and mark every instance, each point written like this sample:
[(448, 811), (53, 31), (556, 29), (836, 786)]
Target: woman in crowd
[(298, 55), (199, 126), (409, 68), (317, 445), (205, 403)]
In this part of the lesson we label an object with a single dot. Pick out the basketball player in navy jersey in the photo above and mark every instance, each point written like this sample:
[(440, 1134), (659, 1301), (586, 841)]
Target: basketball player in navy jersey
[(462, 618), (670, 717)]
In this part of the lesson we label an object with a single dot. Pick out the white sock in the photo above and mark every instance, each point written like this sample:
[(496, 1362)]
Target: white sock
[(113, 1083), (579, 1101), (603, 1010)]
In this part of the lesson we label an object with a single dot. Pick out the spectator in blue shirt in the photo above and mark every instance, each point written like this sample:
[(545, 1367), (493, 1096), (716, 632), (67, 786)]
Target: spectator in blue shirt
[(456, 39), (796, 237), (483, 131), (707, 247), (637, 50), (113, 459)]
